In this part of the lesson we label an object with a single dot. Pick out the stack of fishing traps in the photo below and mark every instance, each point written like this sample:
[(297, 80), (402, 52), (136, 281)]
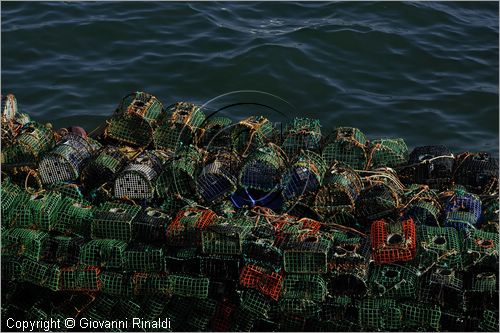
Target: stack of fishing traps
[(227, 225)]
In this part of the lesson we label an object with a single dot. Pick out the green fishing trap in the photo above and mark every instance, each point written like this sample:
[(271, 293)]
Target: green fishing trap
[(12, 198), (40, 211), (308, 255), (73, 218), (387, 153), (379, 314), (393, 281), (150, 284), (68, 191), (103, 166), (255, 303), (80, 278), (304, 286), (109, 253), (423, 206), (181, 126), (32, 244), (41, 274), (480, 249), (420, 317), (143, 258), (188, 286), (346, 145), (262, 169), (116, 284), (299, 307), (224, 238), (216, 133), (438, 246), (489, 322), (114, 221), (302, 134), (251, 133)]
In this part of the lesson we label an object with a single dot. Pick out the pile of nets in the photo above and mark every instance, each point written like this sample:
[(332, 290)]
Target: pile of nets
[(163, 212)]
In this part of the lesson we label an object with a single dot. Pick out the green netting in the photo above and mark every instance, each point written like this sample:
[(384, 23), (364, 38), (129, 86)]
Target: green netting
[(152, 307), (340, 189), (420, 317), (302, 134), (255, 303), (307, 256), (379, 314), (347, 146), (73, 218), (39, 211), (130, 129), (262, 169), (439, 246), (480, 248), (66, 249), (150, 283), (178, 176), (127, 309), (484, 282), (103, 166), (263, 253), (12, 198), (201, 314), (80, 278), (33, 244), (304, 286), (144, 104), (143, 259), (251, 133), (114, 221), (301, 307), (460, 220), (28, 146), (118, 284), (388, 153), (188, 286), (41, 274), (180, 128), (103, 252), (489, 322), (68, 190), (11, 268), (223, 238), (101, 308), (394, 281), (216, 133)]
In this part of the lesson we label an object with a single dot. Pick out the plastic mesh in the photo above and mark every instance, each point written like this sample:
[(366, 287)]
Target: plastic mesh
[(12, 197), (420, 316), (393, 242), (255, 303), (262, 169), (309, 255), (41, 274), (143, 258), (103, 252), (150, 283), (11, 268), (439, 246), (84, 278), (478, 172), (130, 129), (423, 206), (489, 322), (388, 153), (33, 244), (347, 146), (442, 286), (115, 283), (73, 218), (39, 211), (263, 253), (267, 282), (114, 221), (484, 282), (220, 267), (341, 187), (480, 248), (302, 134), (304, 286), (64, 249), (251, 133), (68, 190), (300, 307), (379, 314), (188, 286), (216, 133), (305, 175), (143, 104), (181, 126), (217, 179), (393, 281)]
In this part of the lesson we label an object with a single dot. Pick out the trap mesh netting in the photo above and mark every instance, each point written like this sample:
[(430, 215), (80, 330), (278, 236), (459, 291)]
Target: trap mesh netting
[(222, 224)]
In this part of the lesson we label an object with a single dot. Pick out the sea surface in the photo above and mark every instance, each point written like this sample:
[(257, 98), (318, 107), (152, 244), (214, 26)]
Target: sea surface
[(423, 71)]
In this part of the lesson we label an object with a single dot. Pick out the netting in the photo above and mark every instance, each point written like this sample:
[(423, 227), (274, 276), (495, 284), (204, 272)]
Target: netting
[(347, 146), (442, 286), (103, 252), (254, 302), (216, 133), (223, 238), (265, 281), (114, 221), (129, 129), (182, 261), (420, 317), (73, 218), (478, 172), (103, 166), (393, 281), (26, 149), (393, 241), (225, 268), (150, 284), (178, 176), (82, 278), (302, 134), (251, 133), (438, 246), (462, 210), (305, 175), (32, 244), (11, 268), (143, 258), (299, 307), (341, 187), (431, 165), (480, 249), (263, 253), (423, 206), (38, 212), (485, 282), (187, 225), (262, 169), (136, 181), (181, 127), (41, 274), (150, 226), (387, 153), (68, 190), (66, 160), (188, 286), (308, 255), (490, 214), (64, 250), (489, 322), (304, 286), (217, 179), (12, 198), (143, 104), (117, 284), (379, 314)]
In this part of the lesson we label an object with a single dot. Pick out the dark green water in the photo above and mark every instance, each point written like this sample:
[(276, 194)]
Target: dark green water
[(426, 72)]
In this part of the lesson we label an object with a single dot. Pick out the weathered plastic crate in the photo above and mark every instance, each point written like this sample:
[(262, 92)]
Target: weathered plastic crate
[(302, 134), (262, 169), (114, 221), (265, 281), (393, 241), (393, 281), (347, 145), (107, 253)]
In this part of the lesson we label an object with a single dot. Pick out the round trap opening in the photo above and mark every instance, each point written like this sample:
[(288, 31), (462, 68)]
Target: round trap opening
[(440, 240), (340, 251), (139, 104), (190, 214), (394, 239), (155, 213), (391, 274), (445, 272), (311, 239), (486, 276), (37, 197), (486, 243), (117, 210)]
